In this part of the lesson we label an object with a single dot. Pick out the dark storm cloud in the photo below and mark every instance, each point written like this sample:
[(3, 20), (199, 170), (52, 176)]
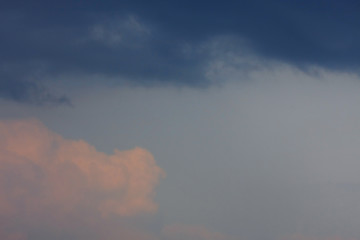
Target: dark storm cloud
[(29, 92), (160, 42)]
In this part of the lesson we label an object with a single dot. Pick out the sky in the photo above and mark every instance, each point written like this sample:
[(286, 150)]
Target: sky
[(179, 120)]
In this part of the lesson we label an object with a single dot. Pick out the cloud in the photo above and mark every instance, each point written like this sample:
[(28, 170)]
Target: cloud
[(46, 179), (194, 232), (120, 48), (143, 44), (29, 92), (127, 31)]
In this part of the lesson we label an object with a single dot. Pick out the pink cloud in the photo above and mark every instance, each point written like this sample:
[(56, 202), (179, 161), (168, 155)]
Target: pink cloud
[(45, 178)]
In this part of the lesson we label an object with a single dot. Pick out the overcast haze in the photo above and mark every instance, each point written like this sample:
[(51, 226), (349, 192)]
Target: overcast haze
[(180, 120)]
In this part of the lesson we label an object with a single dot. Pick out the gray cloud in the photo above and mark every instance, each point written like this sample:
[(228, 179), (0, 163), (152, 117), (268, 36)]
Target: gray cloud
[(30, 92), (156, 44)]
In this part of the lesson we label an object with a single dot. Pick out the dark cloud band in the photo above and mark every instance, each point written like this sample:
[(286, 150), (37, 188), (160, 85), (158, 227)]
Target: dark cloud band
[(161, 42)]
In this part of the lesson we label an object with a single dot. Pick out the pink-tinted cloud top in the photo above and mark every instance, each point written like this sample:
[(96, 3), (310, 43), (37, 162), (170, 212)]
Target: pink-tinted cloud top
[(44, 177)]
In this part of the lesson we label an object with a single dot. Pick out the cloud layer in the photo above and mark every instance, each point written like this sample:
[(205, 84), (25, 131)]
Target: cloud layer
[(45, 178), (159, 43)]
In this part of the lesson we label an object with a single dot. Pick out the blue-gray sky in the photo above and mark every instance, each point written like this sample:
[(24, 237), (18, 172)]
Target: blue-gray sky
[(229, 120)]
